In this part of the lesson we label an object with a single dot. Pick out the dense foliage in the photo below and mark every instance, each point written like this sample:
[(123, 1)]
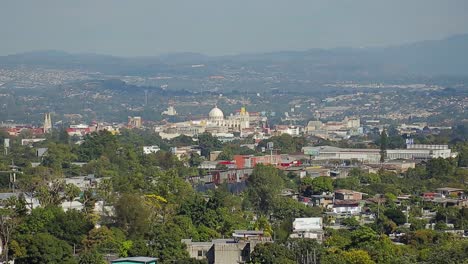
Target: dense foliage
[(147, 207)]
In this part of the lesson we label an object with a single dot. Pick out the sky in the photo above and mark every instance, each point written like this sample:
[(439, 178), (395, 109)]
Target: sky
[(220, 27)]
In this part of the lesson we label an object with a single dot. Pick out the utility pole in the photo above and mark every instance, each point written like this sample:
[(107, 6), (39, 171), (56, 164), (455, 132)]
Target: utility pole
[(315, 257)]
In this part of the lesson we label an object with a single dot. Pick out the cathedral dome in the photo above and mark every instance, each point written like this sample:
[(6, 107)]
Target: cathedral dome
[(216, 114)]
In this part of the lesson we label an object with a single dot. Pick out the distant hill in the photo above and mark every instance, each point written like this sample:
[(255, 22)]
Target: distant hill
[(427, 58)]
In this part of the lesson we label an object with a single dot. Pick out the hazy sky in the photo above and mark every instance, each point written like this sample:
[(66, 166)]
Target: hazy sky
[(152, 27)]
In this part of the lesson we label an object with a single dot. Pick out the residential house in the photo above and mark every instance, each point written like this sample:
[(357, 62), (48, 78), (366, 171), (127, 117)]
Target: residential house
[(347, 207), (311, 228), (343, 194), (227, 251), (450, 192)]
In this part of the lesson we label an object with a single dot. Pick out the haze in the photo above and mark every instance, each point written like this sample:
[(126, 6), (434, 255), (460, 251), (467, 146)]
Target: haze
[(214, 27)]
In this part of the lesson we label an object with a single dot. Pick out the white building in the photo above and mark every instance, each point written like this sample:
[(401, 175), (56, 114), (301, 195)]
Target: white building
[(150, 149), (170, 111), (311, 227), (237, 121), (412, 152), (216, 124)]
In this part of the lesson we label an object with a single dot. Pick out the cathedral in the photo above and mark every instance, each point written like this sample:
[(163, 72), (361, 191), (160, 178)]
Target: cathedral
[(236, 122)]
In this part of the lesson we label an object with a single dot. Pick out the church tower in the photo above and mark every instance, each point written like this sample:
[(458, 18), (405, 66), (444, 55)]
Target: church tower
[(47, 123)]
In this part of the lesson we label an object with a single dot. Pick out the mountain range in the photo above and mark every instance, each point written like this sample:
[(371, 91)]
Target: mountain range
[(446, 57)]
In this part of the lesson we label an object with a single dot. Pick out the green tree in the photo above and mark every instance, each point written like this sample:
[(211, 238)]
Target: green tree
[(395, 215), (272, 253), (8, 224), (353, 256), (71, 192), (91, 257), (350, 222), (264, 186), (208, 143), (132, 214), (43, 248)]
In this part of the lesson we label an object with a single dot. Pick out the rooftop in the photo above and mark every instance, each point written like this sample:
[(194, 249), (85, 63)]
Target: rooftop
[(449, 189), (135, 259)]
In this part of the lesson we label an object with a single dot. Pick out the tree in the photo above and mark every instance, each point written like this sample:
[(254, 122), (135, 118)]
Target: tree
[(91, 257), (306, 250), (42, 248), (450, 252), (272, 253), (50, 194), (383, 145), (362, 236), (101, 239), (70, 226), (350, 222), (88, 199), (263, 224), (132, 214), (8, 223), (353, 256), (195, 160), (208, 143), (71, 192), (164, 241), (395, 215), (264, 186), (322, 184)]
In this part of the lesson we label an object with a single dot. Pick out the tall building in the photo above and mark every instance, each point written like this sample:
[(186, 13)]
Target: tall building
[(134, 122), (47, 123), (170, 111)]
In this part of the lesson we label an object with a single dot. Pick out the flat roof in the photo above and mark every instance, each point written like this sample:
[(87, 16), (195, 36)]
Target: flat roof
[(136, 259), (449, 189)]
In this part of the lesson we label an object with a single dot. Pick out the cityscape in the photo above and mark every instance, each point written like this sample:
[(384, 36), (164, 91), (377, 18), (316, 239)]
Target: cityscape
[(237, 152)]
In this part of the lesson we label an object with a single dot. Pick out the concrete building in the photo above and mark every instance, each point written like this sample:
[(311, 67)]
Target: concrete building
[(311, 228), (294, 131), (134, 122), (227, 251), (412, 152), (170, 111), (343, 194), (346, 207), (249, 161), (447, 191)]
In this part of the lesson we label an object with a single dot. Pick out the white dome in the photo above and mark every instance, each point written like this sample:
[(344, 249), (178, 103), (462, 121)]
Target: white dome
[(216, 113)]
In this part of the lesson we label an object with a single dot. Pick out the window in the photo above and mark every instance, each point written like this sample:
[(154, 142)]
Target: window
[(200, 253)]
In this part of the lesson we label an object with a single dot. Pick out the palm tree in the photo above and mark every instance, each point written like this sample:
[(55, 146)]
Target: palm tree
[(71, 192)]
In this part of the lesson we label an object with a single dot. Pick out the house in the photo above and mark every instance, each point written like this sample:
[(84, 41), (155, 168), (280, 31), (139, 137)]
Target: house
[(311, 228), (227, 251), (430, 195), (83, 182), (343, 194), (135, 260), (31, 201), (447, 191), (347, 207), (321, 200)]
